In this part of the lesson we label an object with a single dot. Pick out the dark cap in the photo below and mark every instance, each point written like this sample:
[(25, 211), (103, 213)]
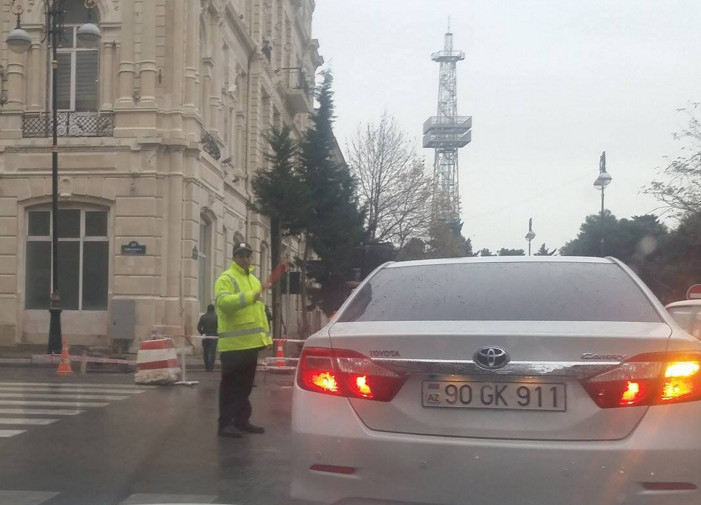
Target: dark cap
[(242, 246)]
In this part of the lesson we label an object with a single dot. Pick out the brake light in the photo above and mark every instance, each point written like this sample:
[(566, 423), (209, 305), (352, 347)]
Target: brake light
[(648, 379), (346, 373)]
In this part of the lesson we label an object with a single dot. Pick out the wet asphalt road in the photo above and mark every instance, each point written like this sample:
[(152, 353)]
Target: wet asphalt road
[(154, 446)]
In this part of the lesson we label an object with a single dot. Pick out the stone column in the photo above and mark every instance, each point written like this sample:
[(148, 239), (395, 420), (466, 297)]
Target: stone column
[(36, 77), (15, 81), (147, 65), (107, 74), (192, 58), (172, 239), (215, 72), (127, 65), (178, 61), (206, 92)]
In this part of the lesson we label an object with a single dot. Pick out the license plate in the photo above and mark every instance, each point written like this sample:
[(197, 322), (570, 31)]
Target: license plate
[(494, 395)]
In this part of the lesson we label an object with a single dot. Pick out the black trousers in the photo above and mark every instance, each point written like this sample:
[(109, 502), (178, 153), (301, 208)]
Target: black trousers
[(238, 369), (209, 350)]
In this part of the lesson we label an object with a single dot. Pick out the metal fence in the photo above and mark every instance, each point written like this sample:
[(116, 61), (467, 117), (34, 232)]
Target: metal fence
[(69, 124)]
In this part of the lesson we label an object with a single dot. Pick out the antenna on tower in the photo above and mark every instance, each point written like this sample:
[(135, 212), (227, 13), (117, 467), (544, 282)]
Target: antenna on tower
[(446, 133)]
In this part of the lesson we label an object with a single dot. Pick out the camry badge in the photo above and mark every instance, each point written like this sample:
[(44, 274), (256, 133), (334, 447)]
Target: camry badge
[(491, 358), (591, 355)]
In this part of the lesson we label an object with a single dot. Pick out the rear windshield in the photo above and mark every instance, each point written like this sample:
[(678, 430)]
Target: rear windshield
[(502, 292)]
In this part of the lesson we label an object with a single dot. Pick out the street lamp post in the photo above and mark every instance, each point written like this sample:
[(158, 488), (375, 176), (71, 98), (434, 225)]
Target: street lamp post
[(18, 40), (530, 235), (603, 180)]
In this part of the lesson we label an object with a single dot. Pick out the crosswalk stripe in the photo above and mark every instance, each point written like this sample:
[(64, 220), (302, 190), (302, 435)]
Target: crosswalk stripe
[(37, 389), (20, 420), (10, 433), (75, 385), (41, 403), (59, 396), (25, 497), (52, 412), (142, 498)]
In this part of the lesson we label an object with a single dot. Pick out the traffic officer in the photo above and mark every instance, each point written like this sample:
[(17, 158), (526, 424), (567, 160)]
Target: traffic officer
[(243, 331)]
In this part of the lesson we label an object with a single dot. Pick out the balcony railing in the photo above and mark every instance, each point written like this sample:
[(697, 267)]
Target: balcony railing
[(69, 124)]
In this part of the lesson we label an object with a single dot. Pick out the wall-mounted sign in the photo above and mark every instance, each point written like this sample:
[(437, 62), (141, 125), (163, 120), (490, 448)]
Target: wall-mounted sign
[(133, 248)]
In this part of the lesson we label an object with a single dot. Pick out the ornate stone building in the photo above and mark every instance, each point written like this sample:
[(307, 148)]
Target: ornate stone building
[(160, 130)]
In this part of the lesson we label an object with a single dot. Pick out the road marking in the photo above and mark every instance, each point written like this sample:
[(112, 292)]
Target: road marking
[(37, 389), (52, 404), (25, 497), (146, 498), (20, 420), (61, 396), (75, 385), (53, 412), (10, 433)]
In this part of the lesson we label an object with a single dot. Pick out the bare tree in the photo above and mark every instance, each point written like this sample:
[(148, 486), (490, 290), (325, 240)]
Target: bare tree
[(679, 186), (392, 182)]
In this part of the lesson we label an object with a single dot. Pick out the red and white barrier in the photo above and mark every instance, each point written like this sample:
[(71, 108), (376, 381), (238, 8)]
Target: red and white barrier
[(157, 362)]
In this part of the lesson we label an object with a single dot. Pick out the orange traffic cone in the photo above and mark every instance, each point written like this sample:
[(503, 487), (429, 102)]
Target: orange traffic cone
[(64, 366), (280, 354)]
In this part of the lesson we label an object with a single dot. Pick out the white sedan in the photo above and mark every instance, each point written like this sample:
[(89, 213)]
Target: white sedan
[(493, 381), (687, 313)]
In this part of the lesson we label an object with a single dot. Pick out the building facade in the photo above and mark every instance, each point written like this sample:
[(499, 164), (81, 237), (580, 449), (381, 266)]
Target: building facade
[(161, 129)]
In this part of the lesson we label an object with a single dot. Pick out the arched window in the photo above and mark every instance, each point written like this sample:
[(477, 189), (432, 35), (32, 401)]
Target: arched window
[(78, 65), (237, 238), (204, 257), (83, 257)]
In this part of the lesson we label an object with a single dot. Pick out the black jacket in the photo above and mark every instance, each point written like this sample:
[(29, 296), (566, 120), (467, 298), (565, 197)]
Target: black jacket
[(208, 324)]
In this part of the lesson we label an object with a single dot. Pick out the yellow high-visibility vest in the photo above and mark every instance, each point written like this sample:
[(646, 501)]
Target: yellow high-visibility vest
[(242, 323)]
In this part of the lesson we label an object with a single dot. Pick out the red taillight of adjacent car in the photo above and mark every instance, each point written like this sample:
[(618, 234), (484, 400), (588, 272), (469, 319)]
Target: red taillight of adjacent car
[(648, 379), (346, 373)]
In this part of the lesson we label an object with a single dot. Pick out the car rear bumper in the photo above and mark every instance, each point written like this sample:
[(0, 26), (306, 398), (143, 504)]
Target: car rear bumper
[(398, 469)]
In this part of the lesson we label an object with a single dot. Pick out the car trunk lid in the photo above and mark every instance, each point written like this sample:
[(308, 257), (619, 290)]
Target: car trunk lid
[(537, 395)]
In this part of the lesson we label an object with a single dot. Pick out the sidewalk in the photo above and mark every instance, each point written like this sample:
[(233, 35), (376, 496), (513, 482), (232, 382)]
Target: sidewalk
[(21, 355)]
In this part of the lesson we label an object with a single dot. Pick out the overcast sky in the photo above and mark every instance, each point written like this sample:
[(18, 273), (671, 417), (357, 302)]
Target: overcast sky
[(549, 85)]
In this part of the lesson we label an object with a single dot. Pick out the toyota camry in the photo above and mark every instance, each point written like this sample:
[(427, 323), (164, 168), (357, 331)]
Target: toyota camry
[(486, 381)]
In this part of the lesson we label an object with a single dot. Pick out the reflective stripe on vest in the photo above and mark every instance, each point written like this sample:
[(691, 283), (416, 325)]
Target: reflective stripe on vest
[(237, 289), (223, 293), (242, 333)]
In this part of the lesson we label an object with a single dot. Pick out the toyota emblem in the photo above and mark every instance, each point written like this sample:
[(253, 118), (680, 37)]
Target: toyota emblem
[(491, 358)]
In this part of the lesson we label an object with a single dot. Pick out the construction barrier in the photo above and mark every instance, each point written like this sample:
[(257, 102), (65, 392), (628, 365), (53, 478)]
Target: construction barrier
[(280, 364), (157, 362)]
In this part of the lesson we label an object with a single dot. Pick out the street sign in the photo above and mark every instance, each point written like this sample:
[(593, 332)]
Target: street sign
[(133, 248), (694, 292)]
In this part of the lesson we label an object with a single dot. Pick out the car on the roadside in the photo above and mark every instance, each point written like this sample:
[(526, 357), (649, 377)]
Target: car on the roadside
[(486, 381), (687, 314)]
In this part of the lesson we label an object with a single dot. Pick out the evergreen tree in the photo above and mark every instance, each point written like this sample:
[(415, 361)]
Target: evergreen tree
[(544, 251), (334, 221), (511, 252), (281, 196)]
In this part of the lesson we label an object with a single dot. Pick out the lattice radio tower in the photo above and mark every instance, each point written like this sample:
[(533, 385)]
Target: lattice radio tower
[(446, 133)]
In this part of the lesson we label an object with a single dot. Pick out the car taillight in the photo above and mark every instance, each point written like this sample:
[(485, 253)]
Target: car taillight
[(346, 373), (648, 379)]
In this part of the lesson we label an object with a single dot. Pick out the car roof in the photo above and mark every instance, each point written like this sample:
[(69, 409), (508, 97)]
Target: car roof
[(503, 259), (683, 303)]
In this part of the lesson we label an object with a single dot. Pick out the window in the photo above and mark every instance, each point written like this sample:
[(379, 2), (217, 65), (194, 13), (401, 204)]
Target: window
[(83, 259), (77, 71), (204, 258), (503, 291)]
